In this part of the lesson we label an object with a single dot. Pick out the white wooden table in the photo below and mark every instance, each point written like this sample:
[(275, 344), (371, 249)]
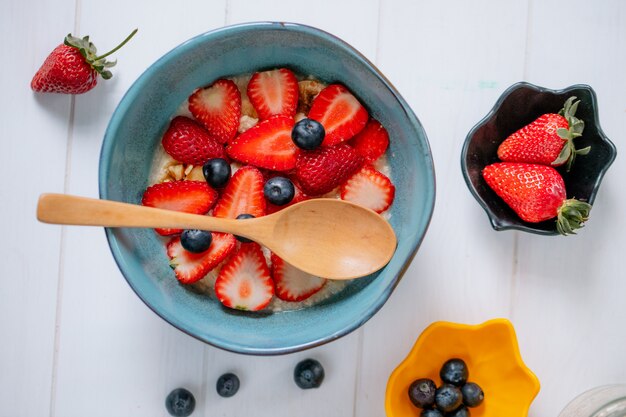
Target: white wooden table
[(76, 341)]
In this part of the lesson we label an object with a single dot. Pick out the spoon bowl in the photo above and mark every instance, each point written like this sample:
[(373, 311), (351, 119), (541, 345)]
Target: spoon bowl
[(329, 238)]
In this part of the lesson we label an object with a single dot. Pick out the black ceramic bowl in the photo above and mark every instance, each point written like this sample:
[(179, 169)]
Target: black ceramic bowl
[(518, 106)]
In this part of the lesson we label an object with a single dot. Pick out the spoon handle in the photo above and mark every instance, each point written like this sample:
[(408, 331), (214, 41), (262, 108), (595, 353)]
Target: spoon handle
[(83, 211)]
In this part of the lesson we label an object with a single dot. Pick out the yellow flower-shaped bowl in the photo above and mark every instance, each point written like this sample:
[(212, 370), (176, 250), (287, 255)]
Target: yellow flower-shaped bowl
[(492, 355)]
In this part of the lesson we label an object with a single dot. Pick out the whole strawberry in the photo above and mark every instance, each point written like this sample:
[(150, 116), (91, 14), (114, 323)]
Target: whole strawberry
[(549, 140), (536, 193), (321, 170), (73, 67)]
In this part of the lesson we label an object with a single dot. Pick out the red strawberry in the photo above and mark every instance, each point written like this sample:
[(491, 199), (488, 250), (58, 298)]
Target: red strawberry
[(369, 188), (274, 93), (243, 195), (218, 107), (297, 197), (244, 282), (73, 67), (190, 267), (536, 193), (267, 145), (194, 197), (339, 112), (549, 140), (293, 284), (189, 143), (371, 142), (325, 168)]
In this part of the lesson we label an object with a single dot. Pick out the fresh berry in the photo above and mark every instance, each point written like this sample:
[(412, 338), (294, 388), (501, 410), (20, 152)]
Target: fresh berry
[(422, 393), (188, 142), (298, 197), (431, 412), (216, 172), (549, 140), (473, 395), (339, 112), (279, 190), (369, 188), (274, 93), (308, 373), (194, 197), (243, 194), (267, 145), (180, 403), (196, 241), (293, 284), (73, 67), (448, 398), (243, 217), (308, 134), (218, 107), (227, 385), (371, 142), (325, 168), (536, 193), (190, 267), (454, 371), (462, 411), (244, 282)]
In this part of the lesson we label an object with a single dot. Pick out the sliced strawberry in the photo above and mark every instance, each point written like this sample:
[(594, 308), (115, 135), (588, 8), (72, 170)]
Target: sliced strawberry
[(267, 145), (325, 168), (274, 93), (190, 143), (218, 107), (297, 197), (243, 195), (293, 284), (190, 267), (339, 112), (187, 196), (244, 282), (369, 188), (371, 142)]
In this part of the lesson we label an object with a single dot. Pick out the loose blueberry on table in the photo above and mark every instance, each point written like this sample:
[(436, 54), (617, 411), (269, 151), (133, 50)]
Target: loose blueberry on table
[(227, 385), (308, 373), (180, 403), (251, 146)]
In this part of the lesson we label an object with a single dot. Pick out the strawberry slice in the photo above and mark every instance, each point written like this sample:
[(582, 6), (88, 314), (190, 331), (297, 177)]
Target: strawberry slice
[(190, 267), (297, 197), (274, 93), (293, 284), (194, 197), (267, 145), (369, 188), (244, 282), (218, 107), (339, 112), (189, 143), (325, 168), (371, 142), (243, 195)]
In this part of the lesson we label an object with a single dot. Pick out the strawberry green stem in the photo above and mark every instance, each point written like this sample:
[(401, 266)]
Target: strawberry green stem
[(575, 129), (571, 215), (117, 47)]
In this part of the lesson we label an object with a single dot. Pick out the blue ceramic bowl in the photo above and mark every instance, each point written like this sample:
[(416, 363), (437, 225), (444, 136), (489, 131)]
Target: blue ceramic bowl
[(518, 106), (135, 131)]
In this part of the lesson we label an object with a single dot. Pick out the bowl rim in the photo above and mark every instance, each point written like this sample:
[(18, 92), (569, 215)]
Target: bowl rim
[(495, 221), (383, 296)]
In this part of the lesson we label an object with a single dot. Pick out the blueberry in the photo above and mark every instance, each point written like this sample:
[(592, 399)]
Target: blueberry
[(454, 372), (240, 217), (472, 394), (431, 412), (422, 393), (308, 373), (227, 385), (180, 403), (196, 241), (216, 172), (448, 398), (462, 411), (279, 190), (308, 134)]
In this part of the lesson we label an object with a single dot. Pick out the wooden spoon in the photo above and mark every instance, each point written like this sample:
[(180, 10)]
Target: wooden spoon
[(325, 237)]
